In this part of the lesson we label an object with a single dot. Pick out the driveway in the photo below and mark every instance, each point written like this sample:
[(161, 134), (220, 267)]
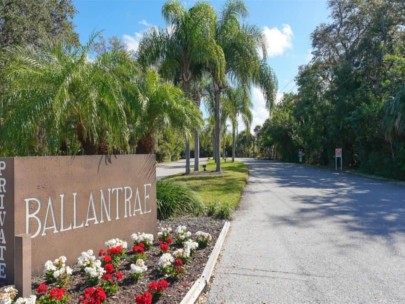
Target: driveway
[(307, 235)]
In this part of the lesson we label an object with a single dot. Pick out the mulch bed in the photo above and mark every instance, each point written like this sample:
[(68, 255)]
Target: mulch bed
[(177, 289)]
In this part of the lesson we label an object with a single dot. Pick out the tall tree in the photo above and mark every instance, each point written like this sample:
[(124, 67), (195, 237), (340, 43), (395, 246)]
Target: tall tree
[(236, 103), (33, 22), (351, 94), (184, 49), (244, 66)]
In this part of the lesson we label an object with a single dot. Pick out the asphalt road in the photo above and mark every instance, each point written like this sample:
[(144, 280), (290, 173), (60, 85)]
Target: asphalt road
[(176, 167), (307, 235)]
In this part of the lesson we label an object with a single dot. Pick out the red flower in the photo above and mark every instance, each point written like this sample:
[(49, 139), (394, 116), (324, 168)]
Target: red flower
[(164, 247), (178, 262), (158, 286), (107, 277), (144, 298), (162, 285), (109, 268), (153, 286), (138, 249), (42, 288), (119, 275), (101, 252), (93, 296), (114, 250), (57, 293), (107, 259), (169, 240)]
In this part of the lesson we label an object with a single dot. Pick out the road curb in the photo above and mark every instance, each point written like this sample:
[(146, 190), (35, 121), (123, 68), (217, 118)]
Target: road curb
[(199, 285)]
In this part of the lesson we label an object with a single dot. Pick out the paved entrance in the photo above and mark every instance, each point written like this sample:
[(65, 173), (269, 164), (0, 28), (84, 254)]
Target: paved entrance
[(305, 235)]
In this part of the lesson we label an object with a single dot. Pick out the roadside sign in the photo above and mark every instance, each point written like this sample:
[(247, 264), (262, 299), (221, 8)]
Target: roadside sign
[(338, 154)]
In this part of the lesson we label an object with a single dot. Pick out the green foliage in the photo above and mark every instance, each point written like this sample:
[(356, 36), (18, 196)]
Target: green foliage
[(220, 192), (164, 106), (58, 102), (220, 210), (175, 199), (350, 95), (32, 22)]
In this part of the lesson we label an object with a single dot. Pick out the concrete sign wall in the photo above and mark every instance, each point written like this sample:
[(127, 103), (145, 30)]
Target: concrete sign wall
[(70, 204)]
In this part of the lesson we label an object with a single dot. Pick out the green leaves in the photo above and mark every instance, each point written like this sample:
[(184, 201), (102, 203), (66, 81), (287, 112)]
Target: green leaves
[(57, 99)]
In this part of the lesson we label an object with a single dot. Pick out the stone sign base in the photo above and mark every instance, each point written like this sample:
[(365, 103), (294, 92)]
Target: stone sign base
[(54, 206)]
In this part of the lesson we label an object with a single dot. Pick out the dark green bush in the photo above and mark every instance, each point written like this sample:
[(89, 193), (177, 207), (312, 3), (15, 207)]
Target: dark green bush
[(174, 199)]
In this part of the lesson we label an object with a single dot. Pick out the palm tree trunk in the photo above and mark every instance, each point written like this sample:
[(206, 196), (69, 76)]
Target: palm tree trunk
[(89, 148), (213, 147), (233, 144), (187, 156), (218, 130), (196, 151), (146, 145)]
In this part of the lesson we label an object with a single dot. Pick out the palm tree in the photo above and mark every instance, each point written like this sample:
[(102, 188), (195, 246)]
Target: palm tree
[(185, 49), (243, 63), (236, 102), (164, 106), (56, 101)]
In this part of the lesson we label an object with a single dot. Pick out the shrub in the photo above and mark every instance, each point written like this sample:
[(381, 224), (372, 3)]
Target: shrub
[(220, 210), (174, 199), (223, 211)]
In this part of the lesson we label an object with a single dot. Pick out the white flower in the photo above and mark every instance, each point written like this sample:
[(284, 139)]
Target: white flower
[(49, 266), (164, 231), (30, 300), (96, 271), (165, 260), (181, 229), (62, 259), (145, 238), (182, 234), (189, 247), (190, 244), (138, 267), (7, 294), (178, 253), (115, 243), (97, 263), (203, 236), (56, 274), (86, 258), (68, 270)]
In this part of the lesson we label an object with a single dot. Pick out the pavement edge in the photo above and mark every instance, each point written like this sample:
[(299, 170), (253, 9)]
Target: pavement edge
[(199, 285)]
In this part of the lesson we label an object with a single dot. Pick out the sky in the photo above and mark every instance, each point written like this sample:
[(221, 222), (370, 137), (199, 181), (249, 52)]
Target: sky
[(286, 24)]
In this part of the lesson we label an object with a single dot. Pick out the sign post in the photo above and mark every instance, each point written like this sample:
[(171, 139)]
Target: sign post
[(338, 154), (300, 155)]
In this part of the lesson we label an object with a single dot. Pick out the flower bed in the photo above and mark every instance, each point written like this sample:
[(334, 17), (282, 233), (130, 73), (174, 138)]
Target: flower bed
[(165, 272)]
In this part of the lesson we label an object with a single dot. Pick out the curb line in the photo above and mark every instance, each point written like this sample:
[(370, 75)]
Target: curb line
[(199, 285)]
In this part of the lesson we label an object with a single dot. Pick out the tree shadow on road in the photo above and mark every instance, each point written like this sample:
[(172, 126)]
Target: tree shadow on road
[(369, 206)]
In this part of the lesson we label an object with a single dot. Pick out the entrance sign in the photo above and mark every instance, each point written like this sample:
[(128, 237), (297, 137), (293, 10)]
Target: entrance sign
[(338, 154), (70, 204)]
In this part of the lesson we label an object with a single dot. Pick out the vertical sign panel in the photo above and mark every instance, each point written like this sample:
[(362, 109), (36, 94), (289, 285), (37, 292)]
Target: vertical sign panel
[(6, 220)]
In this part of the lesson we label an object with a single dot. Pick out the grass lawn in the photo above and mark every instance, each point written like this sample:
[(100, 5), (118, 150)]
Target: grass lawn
[(218, 189)]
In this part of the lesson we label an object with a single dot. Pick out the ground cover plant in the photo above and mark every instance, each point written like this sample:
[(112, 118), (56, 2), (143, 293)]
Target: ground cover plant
[(129, 281), (175, 199)]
